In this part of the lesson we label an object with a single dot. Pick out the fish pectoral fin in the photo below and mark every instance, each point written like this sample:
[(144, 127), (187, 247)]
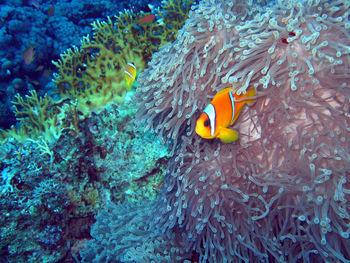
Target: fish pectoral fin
[(251, 94), (227, 135)]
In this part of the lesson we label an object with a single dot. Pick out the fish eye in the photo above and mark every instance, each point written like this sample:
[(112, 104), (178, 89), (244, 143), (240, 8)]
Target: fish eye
[(206, 123)]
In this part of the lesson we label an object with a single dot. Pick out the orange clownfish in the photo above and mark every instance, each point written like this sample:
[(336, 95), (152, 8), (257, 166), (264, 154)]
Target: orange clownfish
[(222, 112), (130, 74)]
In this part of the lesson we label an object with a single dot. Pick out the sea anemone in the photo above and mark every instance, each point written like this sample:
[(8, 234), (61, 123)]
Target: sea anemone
[(280, 193)]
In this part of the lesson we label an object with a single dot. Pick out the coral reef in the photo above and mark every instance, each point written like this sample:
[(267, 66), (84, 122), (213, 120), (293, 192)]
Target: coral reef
[(33, 205), (50, 27), (94, 74), (51, 33), (41, 117), (130, 163), (50, 190), (69, 155), (281, 192), (92, 77)]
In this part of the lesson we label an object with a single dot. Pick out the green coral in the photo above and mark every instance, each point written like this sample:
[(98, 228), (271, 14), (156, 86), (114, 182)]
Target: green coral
[(40, 117), (94, 73), (92, 76)]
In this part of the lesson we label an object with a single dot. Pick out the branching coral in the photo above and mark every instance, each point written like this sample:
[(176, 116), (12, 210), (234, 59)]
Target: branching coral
[(281, 193), (92, 76), (94, 73), (41, 117)]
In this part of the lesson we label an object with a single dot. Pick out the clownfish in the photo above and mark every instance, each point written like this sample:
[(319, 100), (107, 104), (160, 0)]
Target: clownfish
[(222, 112), (130, 74)]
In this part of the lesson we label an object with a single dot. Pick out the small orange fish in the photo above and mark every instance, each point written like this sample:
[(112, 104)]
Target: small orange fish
[(28, 55), (130, 74), (50, 11), (222, 112), (146, 19)]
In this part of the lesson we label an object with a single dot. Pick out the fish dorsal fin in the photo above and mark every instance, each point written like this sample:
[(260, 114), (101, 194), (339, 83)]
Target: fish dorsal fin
[(247, 97), (224, 91)]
